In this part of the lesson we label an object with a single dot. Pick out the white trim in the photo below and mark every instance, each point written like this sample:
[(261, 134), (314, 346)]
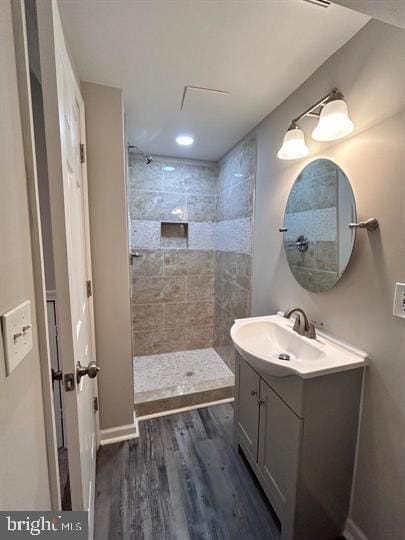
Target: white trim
[(185, 409), (27, 126), (353, 532), (119, 433)]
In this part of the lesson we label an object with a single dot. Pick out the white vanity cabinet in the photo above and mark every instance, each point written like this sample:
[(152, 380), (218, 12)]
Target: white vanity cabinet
[(299, 436)]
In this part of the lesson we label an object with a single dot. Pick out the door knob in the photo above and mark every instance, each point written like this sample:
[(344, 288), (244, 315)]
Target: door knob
[(91, 370)]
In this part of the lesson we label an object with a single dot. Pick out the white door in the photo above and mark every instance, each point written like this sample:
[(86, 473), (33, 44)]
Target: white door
[(64, 128)]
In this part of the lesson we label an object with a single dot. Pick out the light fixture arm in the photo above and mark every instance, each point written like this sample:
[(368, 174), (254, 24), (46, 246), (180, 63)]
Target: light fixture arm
[(334, 94)]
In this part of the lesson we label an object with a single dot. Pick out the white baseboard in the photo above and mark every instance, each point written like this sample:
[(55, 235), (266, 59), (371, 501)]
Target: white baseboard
[(119, 434), (353, 532)]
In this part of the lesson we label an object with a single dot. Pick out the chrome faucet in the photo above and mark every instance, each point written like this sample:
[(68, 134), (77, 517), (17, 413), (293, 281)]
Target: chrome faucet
[(301, 325)]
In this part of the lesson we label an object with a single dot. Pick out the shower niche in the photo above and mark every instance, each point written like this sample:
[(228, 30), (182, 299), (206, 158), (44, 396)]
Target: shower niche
[(173, 235)]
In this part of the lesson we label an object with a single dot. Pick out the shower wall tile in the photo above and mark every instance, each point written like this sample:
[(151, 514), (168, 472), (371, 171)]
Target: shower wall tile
[(199, 288), (223, 321), (144, 177), (173, 289), (168, 273), (238, 165), (236, 202), (147, 316), (233, 243), (158, 341), (150, 290), (188, 262), (234, 235), (145, 234), (201, 236), (235, 267), (232, 297), (201, 207), (197, 179), (150, 263), (189, 314), (158, 206), (199, 337)]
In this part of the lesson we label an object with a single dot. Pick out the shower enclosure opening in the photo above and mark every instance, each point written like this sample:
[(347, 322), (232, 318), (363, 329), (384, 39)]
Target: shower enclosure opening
[(190, 275)]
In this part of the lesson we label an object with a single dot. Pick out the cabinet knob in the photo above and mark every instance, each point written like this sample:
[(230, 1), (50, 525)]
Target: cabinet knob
[(253, 392), (261, 402)]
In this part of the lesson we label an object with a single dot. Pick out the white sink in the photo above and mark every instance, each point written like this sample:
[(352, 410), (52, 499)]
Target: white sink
[(260, 340)]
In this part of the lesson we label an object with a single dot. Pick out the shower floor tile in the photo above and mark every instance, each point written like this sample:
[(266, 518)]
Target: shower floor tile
[(164, 382)]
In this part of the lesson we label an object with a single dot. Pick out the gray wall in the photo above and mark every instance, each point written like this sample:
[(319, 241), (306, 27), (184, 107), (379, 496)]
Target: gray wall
[(24, 480), (109, 250), (173, 282), (370, 70), (233, 242)]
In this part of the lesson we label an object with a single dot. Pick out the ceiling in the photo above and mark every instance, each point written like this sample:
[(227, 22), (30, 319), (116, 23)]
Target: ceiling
[(389, 11), (258, 52)]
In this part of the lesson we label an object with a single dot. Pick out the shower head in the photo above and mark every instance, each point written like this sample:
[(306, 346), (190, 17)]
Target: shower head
[(148, 159)]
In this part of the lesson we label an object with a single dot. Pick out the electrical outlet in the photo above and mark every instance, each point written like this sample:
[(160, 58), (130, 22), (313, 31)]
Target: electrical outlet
[(399, 300)]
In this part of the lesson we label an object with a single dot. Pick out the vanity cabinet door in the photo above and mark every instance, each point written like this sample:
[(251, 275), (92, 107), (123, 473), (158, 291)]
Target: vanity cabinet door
[(248, 408), (280, 441)]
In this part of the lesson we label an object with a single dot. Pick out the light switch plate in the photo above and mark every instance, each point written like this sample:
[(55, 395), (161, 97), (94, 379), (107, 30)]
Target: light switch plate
[(399, 300), (17, 335)]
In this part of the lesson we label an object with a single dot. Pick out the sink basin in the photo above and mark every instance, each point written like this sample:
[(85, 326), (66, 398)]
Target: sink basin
[(262, 340)]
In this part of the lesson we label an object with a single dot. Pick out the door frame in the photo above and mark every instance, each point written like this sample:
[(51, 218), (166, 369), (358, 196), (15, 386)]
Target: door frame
[(27, 124)]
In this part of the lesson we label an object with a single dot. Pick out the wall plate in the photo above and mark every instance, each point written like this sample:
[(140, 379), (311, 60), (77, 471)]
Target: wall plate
[(399, 300), (17, 335)]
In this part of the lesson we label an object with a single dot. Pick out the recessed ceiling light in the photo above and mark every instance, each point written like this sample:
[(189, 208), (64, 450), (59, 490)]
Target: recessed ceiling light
[(238, 175), (168, 168), (184, 140)]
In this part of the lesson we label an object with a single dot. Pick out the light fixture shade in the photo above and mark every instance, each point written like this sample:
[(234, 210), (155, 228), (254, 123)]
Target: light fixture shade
[(293, 146), (334, 122)]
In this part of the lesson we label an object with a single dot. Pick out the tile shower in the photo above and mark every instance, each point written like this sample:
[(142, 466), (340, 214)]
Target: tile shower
[(190, 224)]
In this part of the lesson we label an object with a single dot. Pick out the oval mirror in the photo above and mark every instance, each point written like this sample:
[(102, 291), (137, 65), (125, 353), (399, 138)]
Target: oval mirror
[(317, 239)]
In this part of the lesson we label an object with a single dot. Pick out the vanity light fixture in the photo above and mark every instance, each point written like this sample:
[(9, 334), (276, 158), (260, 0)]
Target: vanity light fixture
[(293, 146), (333, 123)]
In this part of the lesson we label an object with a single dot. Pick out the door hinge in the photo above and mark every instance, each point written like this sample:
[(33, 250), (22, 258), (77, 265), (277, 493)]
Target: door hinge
[(89, 287), (95, 404), (82, 153)]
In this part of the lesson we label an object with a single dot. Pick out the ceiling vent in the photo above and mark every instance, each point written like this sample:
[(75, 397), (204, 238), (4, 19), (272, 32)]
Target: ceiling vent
[(320, 3), (197, 95)]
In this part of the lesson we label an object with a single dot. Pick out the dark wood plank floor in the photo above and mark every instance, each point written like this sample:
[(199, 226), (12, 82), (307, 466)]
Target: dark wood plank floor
[(180, 480)]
